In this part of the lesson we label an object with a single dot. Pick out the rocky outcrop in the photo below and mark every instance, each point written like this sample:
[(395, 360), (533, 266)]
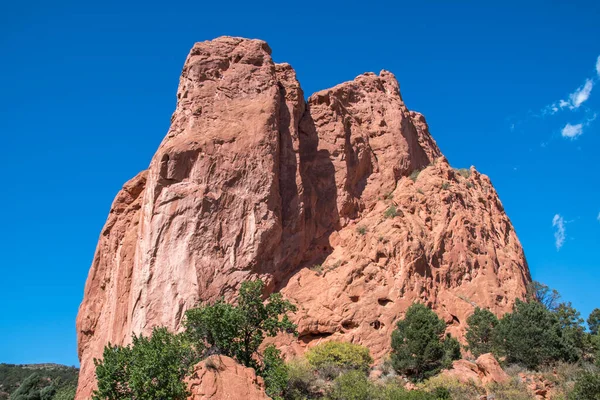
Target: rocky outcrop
[(220, 377), (484, 371), (322, 199)]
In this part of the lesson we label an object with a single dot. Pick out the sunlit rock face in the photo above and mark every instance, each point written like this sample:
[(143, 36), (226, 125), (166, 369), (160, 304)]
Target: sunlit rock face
[(319, 198)]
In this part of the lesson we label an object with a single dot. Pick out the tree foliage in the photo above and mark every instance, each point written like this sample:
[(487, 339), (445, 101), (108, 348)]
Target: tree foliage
[(549, 298), (238, 331), (418, 350), (593, 321), (274, 372), (151, 368), (342, 355), (587, 387), (13, 376), (531, 335), (480, 331)]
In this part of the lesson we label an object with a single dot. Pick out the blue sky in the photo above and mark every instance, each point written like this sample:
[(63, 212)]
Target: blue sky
[(87, 90)]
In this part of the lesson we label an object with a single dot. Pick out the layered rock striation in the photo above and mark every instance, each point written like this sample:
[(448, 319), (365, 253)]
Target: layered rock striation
[(322, 199)]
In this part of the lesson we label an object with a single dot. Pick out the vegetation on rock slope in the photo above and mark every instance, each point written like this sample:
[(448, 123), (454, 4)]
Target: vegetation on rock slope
[(542, 345), (37, 382)]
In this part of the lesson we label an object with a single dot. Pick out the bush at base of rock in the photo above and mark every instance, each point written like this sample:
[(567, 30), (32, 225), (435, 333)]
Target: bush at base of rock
[(418, 350), (354, 385), (150, 368), (339, 356)]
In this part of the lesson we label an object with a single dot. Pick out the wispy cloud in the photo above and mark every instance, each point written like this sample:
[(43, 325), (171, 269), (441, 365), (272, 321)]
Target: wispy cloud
[(598, 217), (560, 234), (581, 95), (598, 66), (572, 131), (575, 99)]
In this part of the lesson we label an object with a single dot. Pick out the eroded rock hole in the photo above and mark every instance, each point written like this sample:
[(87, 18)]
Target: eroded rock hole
[(309, 337), (377, 324), (384, 302), (349, 324)]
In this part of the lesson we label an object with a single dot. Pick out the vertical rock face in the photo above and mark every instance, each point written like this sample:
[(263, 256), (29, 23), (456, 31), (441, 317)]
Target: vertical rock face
[(313, 197)]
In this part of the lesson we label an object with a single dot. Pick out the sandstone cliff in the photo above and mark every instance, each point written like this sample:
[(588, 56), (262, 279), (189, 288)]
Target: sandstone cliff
[(319, 198)]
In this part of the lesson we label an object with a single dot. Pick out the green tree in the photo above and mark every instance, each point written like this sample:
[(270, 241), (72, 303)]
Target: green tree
[(593, 321), (238, 331), (65, 393), (30, 389), (151, 368), (418, 349), (531, 335), (572, 331), (451, 351), (480, 331), (587, 387)]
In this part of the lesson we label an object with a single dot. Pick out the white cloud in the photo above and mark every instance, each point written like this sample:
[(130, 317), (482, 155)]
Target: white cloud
[(598, 217), (572, 131), (560, 235), (598, 66), (580, 96)]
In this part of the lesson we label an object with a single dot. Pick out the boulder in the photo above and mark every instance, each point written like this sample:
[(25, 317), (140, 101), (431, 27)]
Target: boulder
[(221, 378)]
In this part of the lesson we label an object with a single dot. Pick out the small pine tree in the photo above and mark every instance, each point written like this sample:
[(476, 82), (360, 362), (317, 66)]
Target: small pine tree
[(593, 321), (480, 330), (530, 335), (418, 350)]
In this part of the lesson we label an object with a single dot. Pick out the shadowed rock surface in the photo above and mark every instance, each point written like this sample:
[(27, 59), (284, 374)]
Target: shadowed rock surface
[(316, 198)]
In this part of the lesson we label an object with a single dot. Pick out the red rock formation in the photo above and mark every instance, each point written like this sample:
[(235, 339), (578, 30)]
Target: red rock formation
[(252, 181), (220, 377), (483, 371)]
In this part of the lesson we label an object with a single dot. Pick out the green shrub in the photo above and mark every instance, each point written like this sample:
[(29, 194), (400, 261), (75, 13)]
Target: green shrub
[(391, 212), (149, 368), (274, 372), (352, 385), (445, 185), (302, 383), (480, 331), (587, 387), (340, 355), (417, 348), (514, 389), (464, 172), (456, 389), (318, 268), (414, 175), (361, 230), (238, 331)]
